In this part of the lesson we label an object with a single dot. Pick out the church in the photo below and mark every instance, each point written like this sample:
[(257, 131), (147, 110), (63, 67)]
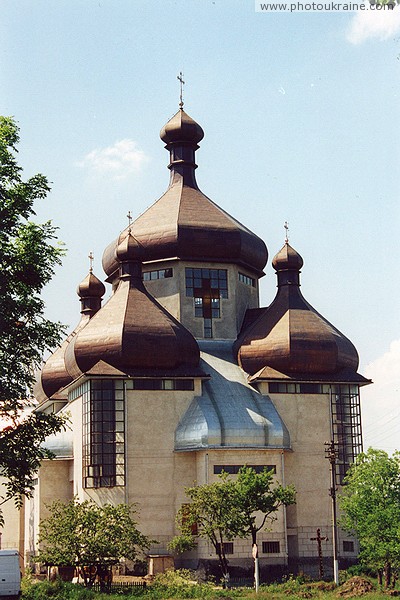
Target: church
[(181, 375)]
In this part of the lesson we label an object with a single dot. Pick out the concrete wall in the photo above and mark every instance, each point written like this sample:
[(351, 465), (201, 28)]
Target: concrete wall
[(171, 293)]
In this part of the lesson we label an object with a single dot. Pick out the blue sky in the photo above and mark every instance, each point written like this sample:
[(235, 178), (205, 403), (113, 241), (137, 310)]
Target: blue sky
[(301, 120)]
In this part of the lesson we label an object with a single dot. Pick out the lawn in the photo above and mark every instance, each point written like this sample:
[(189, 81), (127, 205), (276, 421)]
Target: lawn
[(180, 587)]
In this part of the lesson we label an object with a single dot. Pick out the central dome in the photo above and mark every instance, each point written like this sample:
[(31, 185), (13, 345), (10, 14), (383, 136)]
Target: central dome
[(184, 223)]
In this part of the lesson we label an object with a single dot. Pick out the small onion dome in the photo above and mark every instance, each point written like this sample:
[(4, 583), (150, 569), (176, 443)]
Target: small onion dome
[(129, 249), (290, 336), (55, 373), (181, 128), (133, 331), (91, 287), (287, 259)]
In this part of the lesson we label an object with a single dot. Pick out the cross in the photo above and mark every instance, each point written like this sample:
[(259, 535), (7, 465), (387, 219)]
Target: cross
[(320, 539), (129, 217), (286, 226), (91, 259), (180, 78)]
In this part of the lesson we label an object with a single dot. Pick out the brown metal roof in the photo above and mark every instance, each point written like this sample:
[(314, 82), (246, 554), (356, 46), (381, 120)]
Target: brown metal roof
[(185, 223), (56, 373), (291, 336), (132, 330)]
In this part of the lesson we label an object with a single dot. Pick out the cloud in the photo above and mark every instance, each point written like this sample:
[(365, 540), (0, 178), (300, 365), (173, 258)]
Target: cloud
[(119, 160), (380, 24), (381, 401)]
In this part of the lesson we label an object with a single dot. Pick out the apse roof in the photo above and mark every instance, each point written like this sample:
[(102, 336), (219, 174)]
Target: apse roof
[(229, 413)]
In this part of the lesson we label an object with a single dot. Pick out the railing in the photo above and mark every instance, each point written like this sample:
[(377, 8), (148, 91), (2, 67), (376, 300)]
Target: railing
[(122, 587)]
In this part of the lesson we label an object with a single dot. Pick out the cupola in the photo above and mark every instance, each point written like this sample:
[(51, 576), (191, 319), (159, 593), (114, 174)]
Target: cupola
[(132, 332), (290, 336), (55, 373), (184, 223)]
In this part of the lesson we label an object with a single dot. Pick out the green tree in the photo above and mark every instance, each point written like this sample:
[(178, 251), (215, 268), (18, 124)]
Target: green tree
[(370, 503), (260, 497), (28, 254), (213, 514), (231, 508), (89, 537)]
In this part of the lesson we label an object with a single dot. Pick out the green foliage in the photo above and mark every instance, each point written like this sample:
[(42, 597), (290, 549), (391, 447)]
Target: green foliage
[(230, 508), (89, 536), (370, 503), (178, 584), (214, 512), (58, 590), (182, 543), (28, 256), (258, 493)]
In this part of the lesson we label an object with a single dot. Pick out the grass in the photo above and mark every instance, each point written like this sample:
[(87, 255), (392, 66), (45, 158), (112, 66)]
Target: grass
[(178, 585)]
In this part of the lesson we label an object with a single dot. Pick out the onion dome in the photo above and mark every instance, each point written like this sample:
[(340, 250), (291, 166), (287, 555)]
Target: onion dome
[(55, 373), (181, 128), (287, 259), (290, 336), (132, 332), (184, 223)]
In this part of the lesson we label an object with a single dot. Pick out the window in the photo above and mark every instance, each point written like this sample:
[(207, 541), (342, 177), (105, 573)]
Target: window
[(103, 434), (270, 547), (185, 516), (227, 546), (234, 469), (160, 384), (158, 274), (346, 426), (348, 546), (247, 280), (298, 388), (207, 287)]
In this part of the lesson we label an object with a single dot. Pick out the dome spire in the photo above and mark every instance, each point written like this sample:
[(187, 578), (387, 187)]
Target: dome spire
[(91, 260), (180, 79), (286, 226)]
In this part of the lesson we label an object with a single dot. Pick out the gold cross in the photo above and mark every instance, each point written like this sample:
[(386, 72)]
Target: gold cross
[(91, 259), (180, 78)]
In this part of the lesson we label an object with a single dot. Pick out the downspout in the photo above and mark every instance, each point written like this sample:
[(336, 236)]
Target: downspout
[(284, 510)]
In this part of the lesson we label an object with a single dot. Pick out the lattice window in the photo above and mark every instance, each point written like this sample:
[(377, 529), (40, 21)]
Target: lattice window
[(346, 425), (104, 434)]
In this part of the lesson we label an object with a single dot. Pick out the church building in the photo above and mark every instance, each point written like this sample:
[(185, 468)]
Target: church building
[(181, 375)]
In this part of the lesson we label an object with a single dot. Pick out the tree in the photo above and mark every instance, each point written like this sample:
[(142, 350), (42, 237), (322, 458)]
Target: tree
[(89, 537), (260, 498), (370, 503), (28, 255), (231, 508), (213, 514)]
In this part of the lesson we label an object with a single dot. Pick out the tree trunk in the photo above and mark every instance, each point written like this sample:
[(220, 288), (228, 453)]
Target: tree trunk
[(223, 563), (388, 574), (380, 574)]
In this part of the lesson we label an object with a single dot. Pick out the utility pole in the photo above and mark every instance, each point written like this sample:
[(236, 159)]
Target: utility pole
[(319, 539), (330, 454), (254, 553)]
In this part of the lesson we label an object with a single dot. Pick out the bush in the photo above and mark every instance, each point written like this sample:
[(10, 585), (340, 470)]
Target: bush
[(178, 584), (58, 590)]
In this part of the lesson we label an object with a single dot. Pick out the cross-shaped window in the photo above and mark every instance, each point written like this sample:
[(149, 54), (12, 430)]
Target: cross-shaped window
[(207, 287)]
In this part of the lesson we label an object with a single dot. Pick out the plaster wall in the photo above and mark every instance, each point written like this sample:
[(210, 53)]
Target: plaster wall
[(171, 293), (13, 528), (156, 474)]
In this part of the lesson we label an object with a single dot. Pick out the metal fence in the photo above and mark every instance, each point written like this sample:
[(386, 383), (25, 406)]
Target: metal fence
[(122, 587)]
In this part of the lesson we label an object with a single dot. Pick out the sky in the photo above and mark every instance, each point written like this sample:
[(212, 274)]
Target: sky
[(302, 124)]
